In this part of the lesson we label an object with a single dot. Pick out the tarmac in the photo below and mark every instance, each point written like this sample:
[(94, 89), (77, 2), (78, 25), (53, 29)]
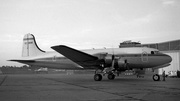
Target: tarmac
[(82, 87)]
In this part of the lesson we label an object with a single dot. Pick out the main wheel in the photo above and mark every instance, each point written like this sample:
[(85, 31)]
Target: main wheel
[(97, 77), (156, 77), (111, 76)]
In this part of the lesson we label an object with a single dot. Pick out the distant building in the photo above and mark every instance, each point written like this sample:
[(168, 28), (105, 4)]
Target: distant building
[(0, 71), (129, 43)]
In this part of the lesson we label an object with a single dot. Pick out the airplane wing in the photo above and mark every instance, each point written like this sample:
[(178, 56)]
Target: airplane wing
[(79, 57)]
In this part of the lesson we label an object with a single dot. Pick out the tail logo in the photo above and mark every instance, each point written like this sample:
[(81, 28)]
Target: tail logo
[(28, 39), (28, 42)]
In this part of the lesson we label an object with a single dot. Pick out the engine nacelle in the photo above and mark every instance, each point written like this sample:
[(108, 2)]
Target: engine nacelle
[(121, 65), (108, 60)]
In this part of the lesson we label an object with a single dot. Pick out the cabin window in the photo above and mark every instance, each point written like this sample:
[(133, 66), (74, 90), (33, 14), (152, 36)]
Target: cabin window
[(155, 52)]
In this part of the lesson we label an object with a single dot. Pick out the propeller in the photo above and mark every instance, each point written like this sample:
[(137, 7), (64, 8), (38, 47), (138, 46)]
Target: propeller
[(113, 59)]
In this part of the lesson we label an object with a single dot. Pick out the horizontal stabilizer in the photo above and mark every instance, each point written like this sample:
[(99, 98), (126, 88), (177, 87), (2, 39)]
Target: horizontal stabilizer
[(23, 61), (73, 54)]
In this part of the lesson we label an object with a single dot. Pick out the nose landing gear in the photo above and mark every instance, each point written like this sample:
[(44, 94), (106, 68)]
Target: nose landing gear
[(156, 77)]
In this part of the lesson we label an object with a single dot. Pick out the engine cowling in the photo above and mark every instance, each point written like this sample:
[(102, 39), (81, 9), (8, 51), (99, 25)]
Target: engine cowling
[(120, 64), (108, 60)]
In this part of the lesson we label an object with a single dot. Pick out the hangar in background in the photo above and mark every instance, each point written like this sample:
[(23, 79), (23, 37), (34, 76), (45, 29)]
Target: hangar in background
[(171, 48)]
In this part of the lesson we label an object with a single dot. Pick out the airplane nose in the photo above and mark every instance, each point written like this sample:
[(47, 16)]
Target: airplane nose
[(167, 58)]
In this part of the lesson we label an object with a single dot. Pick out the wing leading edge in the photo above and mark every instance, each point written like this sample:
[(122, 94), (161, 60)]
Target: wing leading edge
[(76, 56)]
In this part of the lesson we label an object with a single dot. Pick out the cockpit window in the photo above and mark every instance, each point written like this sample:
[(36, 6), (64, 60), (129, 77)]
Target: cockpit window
[(152, 52), (155, 52)]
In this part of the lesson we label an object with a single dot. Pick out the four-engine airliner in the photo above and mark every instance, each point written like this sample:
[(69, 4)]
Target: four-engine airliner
[(103, 61)]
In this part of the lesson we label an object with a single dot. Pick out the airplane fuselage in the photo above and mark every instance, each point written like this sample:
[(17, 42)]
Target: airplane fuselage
[(137, 57)]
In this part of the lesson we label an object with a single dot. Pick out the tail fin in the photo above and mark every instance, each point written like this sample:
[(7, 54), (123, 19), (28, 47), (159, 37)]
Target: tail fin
[(30, 47)]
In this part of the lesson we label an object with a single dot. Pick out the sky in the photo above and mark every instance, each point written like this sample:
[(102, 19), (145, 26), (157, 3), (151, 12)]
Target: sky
[(84, 24)]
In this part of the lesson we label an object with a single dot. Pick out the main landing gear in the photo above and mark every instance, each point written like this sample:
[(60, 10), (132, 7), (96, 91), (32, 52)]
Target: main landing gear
[(97, 77), (111, 76), (99, 73)]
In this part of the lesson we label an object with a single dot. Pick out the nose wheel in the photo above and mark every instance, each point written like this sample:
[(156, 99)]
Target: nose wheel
[(156, 77)]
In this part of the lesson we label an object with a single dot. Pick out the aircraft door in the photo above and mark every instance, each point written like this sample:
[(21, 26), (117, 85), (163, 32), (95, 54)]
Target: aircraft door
[(144, 56)]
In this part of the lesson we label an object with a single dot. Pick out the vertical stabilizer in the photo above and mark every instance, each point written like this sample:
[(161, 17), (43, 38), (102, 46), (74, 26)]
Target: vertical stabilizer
[(30, 47)]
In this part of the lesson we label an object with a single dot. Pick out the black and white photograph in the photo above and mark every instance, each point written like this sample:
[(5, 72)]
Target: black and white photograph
[(89, 50)]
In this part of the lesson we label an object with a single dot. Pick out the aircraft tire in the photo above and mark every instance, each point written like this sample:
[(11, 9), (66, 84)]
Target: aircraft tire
[(156, 77), (97, 77), (111, 76)]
